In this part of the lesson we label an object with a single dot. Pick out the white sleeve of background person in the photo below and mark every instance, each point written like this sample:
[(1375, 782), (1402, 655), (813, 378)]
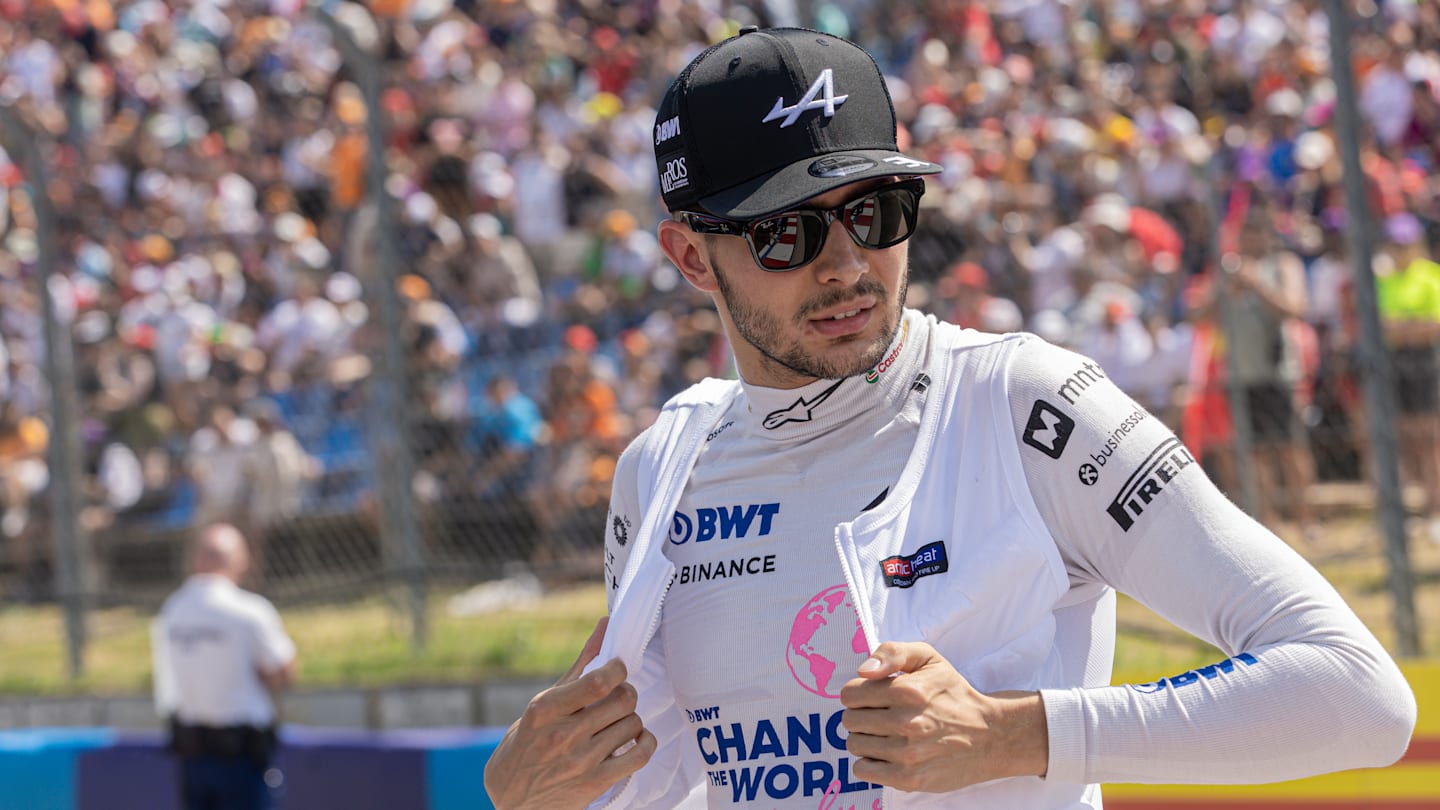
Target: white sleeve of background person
[(166, 698), (1321, 694), (273, 648)]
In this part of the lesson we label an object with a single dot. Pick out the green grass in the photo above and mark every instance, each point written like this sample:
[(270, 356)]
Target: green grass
[(366, 643), (363, 643)]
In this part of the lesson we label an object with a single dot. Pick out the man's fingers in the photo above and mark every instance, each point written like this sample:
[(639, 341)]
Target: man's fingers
[(621, 701), (587, 653), (911, 692), (615, 737), (878, 772), (869, 746), (566, 699), (894, 657), (618, 767), (874, 720)]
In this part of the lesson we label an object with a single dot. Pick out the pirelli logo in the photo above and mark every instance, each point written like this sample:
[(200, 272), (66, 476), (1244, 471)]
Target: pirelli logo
[(1141, 488)]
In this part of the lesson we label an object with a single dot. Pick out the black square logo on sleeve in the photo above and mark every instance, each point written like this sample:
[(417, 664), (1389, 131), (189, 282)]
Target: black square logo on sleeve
[(1048, 429)]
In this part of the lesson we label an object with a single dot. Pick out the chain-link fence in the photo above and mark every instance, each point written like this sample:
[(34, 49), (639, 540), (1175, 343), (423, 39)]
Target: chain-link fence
[(379, 284)]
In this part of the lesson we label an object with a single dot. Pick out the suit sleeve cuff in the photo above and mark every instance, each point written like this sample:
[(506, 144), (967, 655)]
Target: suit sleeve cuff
[(1065, 722)]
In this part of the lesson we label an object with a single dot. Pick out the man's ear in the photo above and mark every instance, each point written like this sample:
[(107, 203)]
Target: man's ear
[(685, 249)]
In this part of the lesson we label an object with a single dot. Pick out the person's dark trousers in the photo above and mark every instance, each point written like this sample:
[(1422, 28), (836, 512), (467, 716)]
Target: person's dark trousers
[(224, 783)]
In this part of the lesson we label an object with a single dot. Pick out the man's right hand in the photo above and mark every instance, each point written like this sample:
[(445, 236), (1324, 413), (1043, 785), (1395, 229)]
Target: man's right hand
[(558, 755)]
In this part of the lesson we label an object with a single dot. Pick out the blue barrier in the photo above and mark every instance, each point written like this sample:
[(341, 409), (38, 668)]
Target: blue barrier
[(323, 769), (456, 768), (36, 763)]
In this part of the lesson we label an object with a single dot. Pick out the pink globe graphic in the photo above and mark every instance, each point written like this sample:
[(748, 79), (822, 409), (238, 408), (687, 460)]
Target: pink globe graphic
[(825, 636)]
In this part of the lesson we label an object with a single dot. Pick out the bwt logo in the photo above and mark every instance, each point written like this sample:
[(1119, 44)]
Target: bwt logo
[(675, 175), (666, 130), (1208, 673), (723, 523)]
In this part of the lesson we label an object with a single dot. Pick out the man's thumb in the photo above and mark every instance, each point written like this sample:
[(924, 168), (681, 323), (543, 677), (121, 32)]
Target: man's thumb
[(587, 653), (894, 657)]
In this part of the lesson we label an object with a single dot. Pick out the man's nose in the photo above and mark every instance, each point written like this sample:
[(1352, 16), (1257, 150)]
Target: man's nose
[(841, 260)]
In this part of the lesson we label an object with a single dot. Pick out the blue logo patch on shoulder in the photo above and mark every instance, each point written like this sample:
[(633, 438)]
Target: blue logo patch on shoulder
[(901, 571)]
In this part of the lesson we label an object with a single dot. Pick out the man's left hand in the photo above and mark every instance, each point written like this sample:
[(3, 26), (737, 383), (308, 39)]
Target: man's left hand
[(916, 724)]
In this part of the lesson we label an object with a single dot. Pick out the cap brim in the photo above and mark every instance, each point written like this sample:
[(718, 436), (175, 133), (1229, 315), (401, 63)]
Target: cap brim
[(792, 185)]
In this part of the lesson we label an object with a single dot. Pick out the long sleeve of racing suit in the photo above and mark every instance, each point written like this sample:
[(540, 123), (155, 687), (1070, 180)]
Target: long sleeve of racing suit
[(1307, 688)]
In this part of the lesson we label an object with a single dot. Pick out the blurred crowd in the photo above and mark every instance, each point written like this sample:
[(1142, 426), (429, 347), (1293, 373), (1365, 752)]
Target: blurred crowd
[(1146, 181)]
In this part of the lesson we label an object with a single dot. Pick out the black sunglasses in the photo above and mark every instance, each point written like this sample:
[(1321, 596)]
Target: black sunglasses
[(786, 241)]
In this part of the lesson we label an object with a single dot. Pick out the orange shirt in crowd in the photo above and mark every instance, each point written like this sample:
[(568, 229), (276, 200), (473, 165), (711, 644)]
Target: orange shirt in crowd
[(347, 170)]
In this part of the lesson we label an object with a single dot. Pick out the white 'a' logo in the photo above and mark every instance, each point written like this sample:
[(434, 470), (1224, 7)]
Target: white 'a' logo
[(825, 83)]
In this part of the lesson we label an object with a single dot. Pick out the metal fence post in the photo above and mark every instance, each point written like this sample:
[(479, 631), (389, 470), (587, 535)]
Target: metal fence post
[(1374, 357), (389, 390), (1249, 496), (63, 449)]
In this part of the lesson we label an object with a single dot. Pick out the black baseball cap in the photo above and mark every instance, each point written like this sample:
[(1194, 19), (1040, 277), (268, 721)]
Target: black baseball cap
[(767, 119)]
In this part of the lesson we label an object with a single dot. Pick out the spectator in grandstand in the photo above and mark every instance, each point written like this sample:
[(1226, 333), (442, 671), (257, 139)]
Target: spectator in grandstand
[(504, 442), (220, 654), (1159, 385), (218, 461), (1121, 345), (640, 377), (1407, 287), (280, 473), (585, 431), (965, 300), (1386, 93), (23, 442), (306, 324), (500, 296), (1263, 286)]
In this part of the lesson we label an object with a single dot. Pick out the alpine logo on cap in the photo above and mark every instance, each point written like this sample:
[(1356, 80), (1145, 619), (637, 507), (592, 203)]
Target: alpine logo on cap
[(839, 166), (824, 83)]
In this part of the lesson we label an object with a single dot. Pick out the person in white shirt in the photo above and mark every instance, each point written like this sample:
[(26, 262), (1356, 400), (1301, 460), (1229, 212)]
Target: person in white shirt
[(880, 569), (220, 652)]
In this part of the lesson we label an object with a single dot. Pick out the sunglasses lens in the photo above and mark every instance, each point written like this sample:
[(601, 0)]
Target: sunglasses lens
[(788, 240), (879, 220), (884, 218)]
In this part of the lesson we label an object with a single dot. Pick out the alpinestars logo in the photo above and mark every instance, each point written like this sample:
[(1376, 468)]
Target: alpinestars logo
[(802, 410), (1159, 468), (1048, 429), (824, 83)]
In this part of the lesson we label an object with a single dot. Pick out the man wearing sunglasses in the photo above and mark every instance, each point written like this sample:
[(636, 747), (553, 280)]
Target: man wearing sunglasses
[(880, 569)]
